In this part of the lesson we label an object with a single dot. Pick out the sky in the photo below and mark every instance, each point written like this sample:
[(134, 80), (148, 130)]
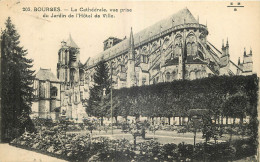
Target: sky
[(42, 36)]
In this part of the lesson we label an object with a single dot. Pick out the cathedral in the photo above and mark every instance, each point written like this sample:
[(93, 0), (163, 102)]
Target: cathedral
[(174, 48)]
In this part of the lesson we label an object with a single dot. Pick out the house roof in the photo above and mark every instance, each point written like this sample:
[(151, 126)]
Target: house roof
[(71, 43), (178, 18), (46, 74)]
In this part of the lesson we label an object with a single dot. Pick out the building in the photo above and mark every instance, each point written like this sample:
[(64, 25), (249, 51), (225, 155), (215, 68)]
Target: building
[(71, 74), (174, 48), (46, 101)]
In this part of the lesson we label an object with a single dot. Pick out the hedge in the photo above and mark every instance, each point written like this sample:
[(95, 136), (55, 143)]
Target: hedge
[(232, 96)]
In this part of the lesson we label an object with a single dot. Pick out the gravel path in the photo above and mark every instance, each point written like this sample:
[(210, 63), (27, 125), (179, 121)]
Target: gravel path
[(13, 154)]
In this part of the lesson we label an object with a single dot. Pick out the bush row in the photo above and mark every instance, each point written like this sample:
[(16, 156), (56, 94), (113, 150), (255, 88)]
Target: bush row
[(76, 147)]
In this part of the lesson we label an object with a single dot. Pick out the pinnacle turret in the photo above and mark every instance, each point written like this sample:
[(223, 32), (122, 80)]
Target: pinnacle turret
[(227, 45), (131, 45), (131, 41)]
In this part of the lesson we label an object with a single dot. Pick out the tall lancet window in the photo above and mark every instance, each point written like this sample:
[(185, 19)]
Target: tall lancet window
[(177, 46), (193, 49), (188, 49), (191, 45)]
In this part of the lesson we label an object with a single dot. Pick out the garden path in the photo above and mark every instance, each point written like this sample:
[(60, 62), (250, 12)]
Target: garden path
[(13, 154)]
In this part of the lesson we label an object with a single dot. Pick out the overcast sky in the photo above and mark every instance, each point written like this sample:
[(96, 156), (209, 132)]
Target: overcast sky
[(42, 36)]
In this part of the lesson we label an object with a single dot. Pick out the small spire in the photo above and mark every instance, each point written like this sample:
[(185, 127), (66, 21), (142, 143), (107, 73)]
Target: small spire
[(131, 40), (238, 61), (184, 21), (227, 45), (245, 51), (131, 55), (251, 51), (222, 43)]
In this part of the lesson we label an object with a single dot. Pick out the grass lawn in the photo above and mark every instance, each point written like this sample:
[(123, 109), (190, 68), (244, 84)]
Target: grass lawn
[(161, 136)]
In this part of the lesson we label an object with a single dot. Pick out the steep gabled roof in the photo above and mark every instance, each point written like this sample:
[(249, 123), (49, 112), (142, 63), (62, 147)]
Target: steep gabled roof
[(71, 43), (46, 74), (174, 20)]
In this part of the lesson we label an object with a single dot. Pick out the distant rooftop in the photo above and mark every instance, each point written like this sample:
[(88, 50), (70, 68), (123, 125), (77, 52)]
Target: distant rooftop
[(46, 74)]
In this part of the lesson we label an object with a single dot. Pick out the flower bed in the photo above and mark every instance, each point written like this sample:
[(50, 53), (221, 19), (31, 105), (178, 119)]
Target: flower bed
[(75, 147)]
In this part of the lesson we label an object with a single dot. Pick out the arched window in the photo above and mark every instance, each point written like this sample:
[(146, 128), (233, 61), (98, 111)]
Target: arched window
[(143, 80), (54, 91), (188, 49), (144, 58), (193, 49), (177, 45), (174, 75), (177, 51), (198, 74), (144, 50), (73, 75), (154, 46), (166, 42), (191, 46), (81, 74), (203, 38), (168, 77)]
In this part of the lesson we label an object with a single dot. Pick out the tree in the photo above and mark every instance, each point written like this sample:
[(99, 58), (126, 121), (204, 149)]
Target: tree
[(98, 103), (17, 80)]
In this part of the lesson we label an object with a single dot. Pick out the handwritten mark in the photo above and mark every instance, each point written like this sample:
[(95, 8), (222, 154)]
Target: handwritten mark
[(235, 6)]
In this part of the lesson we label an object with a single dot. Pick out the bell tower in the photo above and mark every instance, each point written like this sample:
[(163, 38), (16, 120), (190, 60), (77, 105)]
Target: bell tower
[(68, 74)]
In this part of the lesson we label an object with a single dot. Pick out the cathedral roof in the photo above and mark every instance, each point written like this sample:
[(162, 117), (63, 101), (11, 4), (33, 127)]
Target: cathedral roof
[(178, 18), (46, 74), (71, 43)]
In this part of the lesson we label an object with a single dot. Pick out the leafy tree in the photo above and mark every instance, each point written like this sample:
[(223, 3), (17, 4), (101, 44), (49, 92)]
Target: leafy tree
[(210, 129), (17, 80), (98, 103)]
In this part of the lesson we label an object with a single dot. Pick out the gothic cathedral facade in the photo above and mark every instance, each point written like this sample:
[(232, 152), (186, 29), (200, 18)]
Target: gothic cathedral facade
[(175, 48)]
